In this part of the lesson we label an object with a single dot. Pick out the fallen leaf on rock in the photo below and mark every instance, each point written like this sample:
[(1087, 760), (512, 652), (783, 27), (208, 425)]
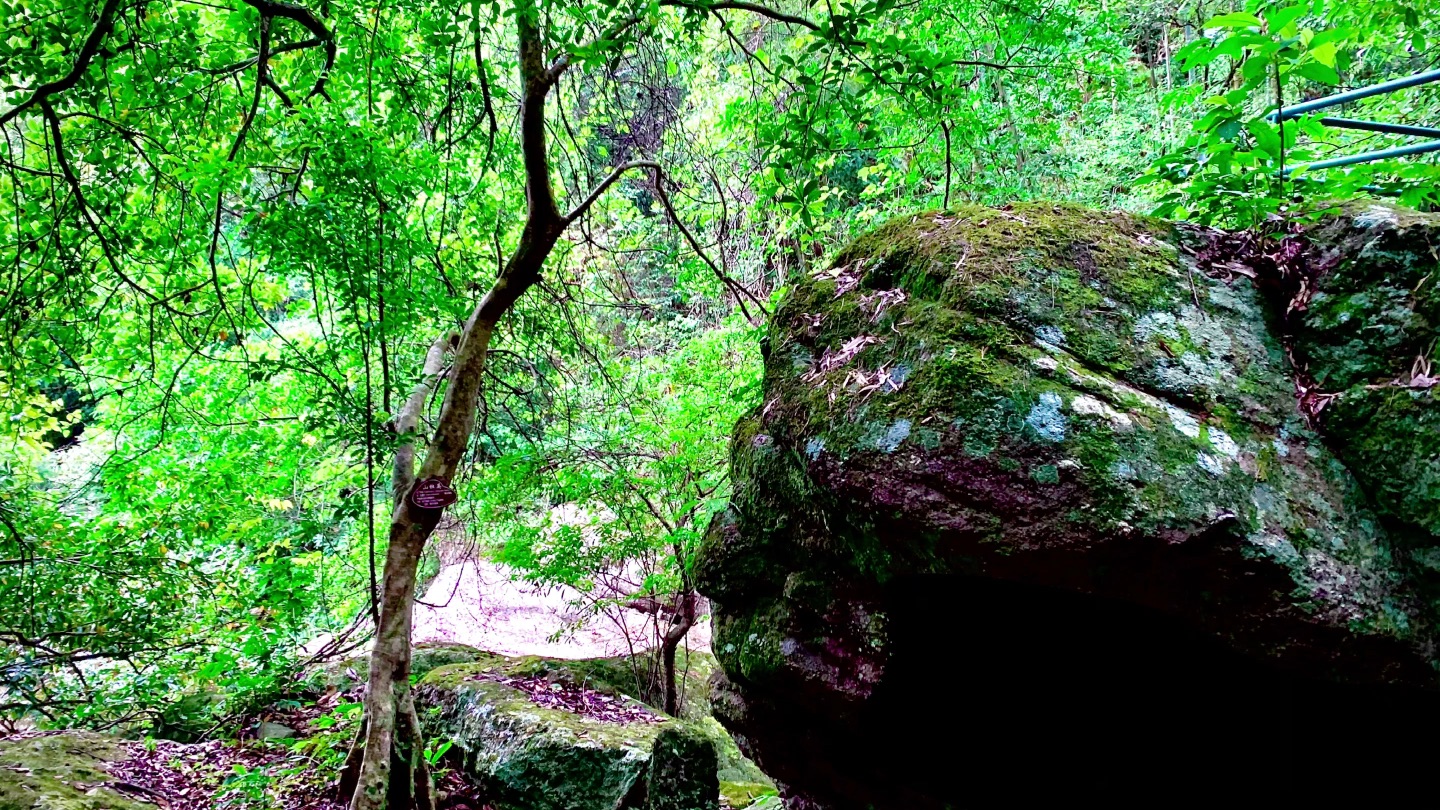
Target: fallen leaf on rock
[(579, 700)]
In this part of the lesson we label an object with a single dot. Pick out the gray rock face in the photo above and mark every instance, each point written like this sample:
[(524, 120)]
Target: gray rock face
[(1038, 500)]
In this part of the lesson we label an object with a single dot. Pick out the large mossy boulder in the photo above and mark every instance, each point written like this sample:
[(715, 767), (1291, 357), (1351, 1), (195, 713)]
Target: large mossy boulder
[(1037, 501), (65, 771), (528, 752), (527, 756), (1366, 331), (463, 698)]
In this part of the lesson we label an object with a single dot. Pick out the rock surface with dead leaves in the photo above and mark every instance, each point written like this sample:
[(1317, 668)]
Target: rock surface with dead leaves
[(69, 771), (510, 732)]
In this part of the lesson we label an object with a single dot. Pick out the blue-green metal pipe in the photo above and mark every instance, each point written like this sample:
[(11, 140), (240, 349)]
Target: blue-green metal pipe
[(1366, 157), (1376, 126), (1355, 95), (1378, 191)]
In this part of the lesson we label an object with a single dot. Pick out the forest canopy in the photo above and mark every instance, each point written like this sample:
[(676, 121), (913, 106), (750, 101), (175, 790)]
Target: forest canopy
[(267, 263)]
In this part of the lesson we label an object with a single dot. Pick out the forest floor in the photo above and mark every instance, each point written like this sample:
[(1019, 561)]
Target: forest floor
[(216, 774), (285, 773), (470, 601)]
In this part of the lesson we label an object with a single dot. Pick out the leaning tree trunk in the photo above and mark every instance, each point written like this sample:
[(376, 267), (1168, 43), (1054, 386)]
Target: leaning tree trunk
[(397, 719), (390, 737), (391, 729)]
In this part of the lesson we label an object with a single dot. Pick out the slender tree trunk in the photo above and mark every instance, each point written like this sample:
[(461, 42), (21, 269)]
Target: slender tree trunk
[(945, 127), (391, 737), (406, 751), (680, 624)]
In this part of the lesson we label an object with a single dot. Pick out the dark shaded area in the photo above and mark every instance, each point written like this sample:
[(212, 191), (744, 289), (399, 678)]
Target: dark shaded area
[(998, 689), (73, 404)]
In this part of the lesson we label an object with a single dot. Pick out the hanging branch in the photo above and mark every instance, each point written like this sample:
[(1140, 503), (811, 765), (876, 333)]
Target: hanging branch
[(269, 10), (485, 96), (262, 64), (104, 24), (741, 293), (73, 181), (313, 24)]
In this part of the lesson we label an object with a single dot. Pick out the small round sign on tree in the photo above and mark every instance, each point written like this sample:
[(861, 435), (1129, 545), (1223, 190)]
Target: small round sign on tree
[(432, 493)]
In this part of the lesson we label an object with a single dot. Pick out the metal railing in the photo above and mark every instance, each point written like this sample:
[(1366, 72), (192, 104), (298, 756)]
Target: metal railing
[(1305, 108)]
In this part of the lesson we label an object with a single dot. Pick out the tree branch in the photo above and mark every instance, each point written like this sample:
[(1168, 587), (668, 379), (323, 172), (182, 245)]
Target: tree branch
[(537, 80), (73, 182), (739, 5), (262, 65), (311, 23), (407, 421), (88, 51), (605, 184), (484, 75), (734, 286), (561, 64), (276, 51), (279, 91)]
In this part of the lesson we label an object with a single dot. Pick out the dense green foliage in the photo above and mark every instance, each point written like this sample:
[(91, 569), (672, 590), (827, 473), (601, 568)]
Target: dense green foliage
[(1239, 165), (230, 231)]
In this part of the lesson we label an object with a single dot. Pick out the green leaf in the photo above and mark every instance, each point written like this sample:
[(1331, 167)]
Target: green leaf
[(1235, 19), (1279, 19), (1316, 72), (1324, 53), (1197, 53), (1267, 139), (1255, 69)]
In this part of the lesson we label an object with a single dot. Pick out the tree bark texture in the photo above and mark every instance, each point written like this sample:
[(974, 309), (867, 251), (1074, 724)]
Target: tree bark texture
[(680, 624)]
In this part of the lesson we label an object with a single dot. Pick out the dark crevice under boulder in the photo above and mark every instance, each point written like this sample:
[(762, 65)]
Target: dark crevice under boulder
[(1031, 506)]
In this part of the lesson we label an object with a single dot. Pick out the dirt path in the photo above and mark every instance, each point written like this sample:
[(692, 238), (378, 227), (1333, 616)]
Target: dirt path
[(476, 602)]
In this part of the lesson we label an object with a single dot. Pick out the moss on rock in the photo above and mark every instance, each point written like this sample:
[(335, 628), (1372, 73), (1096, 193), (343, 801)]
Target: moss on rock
[(737, 795), (682, 772), (64, 771), (1073, 373), (1367, 333), (352, 672), (529, 756)]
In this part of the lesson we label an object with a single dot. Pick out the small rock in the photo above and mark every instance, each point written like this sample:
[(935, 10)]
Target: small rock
[(274, 731)]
